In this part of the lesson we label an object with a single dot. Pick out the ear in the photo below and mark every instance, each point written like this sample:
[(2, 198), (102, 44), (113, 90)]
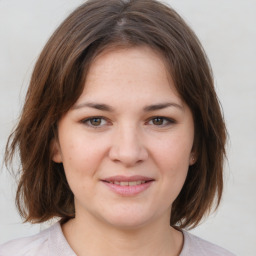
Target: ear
[(55, 151), (192, 158)]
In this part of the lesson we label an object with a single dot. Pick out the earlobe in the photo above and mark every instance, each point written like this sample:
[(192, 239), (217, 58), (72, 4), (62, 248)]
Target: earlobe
[(192, 159), (55, 151)]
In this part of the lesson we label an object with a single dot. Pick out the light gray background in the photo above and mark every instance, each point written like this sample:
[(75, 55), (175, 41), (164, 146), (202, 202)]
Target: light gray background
[(227, 29)]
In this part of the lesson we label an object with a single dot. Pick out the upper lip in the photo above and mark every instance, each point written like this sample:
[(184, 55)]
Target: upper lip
[(121, 178)]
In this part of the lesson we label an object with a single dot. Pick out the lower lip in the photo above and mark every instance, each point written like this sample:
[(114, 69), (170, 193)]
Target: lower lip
[(128, 190)]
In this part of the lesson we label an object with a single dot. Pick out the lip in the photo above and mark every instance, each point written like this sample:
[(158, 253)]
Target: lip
[(120, 178), (126, 190)]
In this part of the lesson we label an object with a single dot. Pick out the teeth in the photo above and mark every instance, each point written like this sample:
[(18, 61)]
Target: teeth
[(124, 183), (128, 183)]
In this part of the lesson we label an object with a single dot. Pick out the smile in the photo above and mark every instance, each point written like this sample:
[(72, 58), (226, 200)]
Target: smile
[(128, 186), (128, 183)]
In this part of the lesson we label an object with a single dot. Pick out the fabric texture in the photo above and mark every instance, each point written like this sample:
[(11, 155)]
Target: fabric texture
[(51, 242)]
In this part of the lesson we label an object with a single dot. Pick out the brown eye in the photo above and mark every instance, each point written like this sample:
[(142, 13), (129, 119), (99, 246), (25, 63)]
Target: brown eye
[(158, 121), (161, 121), (95, 121)]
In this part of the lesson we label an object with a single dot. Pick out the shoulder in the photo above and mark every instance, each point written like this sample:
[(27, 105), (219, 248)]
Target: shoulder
[(33, 245), (49, 242), (195, 246)]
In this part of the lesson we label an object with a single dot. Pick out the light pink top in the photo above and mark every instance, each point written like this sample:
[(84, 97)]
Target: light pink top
[(51, 242)]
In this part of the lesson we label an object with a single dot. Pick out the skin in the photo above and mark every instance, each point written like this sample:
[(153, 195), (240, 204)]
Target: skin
[(126, 138)]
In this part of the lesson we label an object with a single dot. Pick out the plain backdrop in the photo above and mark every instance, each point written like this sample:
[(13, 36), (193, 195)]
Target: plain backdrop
[(227, 30)]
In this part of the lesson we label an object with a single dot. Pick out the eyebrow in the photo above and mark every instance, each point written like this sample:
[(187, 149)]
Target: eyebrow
[(98, 106), (162, 106), (105, 107)]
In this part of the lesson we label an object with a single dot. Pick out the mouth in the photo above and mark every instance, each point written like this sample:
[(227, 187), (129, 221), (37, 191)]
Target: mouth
[(128, 186), (127, 183)]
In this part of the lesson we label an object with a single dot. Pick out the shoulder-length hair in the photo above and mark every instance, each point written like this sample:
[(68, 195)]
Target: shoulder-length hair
[(58, 80)]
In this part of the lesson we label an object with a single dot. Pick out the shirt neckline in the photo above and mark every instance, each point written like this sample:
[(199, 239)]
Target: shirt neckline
[(58, 244)]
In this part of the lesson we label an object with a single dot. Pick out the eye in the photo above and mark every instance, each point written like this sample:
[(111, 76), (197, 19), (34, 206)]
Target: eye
[(160, 121), (95, 122)]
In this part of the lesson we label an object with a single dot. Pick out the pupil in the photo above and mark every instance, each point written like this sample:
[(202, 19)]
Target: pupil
[(96, 121), (158, 121)]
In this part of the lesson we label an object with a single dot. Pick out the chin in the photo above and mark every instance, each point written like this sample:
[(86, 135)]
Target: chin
[(128, 220), (128, 224)]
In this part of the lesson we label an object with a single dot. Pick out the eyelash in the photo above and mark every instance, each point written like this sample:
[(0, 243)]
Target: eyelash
[(88, 121), (166, 121)]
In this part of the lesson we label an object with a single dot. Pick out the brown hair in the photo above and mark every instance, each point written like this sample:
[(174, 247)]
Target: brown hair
[(58, 80)]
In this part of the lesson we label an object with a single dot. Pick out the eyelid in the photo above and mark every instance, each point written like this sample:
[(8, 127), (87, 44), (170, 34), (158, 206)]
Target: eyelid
[(85, 121), (169, 120)]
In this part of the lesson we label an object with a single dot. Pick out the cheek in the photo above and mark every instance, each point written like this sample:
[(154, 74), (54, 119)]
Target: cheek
[(81, 162), (81, 157), (173, 151), (172, 158)]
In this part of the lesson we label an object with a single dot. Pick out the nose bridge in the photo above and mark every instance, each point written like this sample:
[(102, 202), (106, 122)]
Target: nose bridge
[(128, 137), (127, 146)]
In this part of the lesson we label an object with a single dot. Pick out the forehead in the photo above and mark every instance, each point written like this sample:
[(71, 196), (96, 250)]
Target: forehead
[(133, 69)]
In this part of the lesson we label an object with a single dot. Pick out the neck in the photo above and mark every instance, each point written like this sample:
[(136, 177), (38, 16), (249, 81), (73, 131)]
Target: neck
[(91, 237)]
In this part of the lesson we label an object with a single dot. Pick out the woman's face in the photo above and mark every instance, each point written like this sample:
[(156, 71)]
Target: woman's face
[(126, 144)]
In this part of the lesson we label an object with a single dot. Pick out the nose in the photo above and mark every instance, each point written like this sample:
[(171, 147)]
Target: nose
[(127, 147)]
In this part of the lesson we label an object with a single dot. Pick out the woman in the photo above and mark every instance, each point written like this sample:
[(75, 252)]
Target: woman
[(121, 136)]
